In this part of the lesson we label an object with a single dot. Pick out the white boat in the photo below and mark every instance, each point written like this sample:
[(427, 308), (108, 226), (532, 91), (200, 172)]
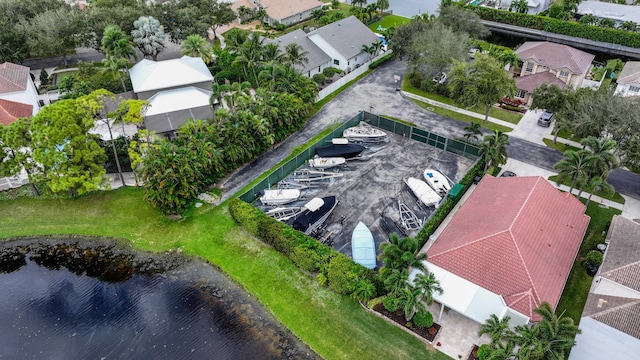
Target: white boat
[(279, 196), (363, 248), (437, 181), (423, 192), (326, 162), (364, 133), (284, 213), (314, 213)]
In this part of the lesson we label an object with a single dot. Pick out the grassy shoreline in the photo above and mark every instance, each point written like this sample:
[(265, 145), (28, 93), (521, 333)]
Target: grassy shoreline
[(334, 326)]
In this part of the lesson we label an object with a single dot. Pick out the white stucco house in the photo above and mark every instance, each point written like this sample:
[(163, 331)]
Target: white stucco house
[(18, 93), (629, 79), (338, 45), (177, 90)]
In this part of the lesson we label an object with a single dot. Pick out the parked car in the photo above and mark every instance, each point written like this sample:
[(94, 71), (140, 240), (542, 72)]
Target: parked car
[(441, 78), (545, 119), (508, 174)]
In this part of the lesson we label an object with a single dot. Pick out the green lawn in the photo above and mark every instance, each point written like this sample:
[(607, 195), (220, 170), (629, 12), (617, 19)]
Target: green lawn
[(614, 197), (462, 117), (498, 113), (334, 326), (559, 145), (577, 289), (389, 21)]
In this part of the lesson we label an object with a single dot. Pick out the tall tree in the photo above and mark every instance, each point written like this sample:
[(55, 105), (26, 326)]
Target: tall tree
[(15, 146), (519, 6), (221, 14), (148, 35), (603, 151), (556, 100), (401, 253), (433, 50), (472, 132), (71, 157), (482, 83), (493, 149), (116, 44), (428, 285), (295, 55), (197, 46), (598, 183), (462, 20), (575, 166)]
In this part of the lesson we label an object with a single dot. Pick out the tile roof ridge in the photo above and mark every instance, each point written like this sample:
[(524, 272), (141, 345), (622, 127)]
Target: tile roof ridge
[(9, 80), (615, 308), (621, 268), (527, 294), (469, 243)]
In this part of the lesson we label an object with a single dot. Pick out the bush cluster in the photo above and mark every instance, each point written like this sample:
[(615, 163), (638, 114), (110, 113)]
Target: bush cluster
[(593, 258), (563, 27), (380, 61), (337, 270)]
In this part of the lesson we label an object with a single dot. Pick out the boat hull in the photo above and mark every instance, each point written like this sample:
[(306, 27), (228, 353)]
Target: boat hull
[(364, 133), (326, 163), (346, 151), (423, 192), (279, 196), (437, 181), (308, 221), (363, 247)]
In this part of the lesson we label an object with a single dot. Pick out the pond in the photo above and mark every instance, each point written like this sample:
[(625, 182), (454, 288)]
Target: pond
[(97, 299), (410, 8)]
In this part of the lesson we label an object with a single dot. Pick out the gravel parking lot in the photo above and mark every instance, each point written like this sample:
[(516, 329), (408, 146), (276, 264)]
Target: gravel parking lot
[(371, 187)]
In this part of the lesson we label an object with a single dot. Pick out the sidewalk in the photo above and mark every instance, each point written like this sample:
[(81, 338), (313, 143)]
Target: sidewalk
[(457, 109)]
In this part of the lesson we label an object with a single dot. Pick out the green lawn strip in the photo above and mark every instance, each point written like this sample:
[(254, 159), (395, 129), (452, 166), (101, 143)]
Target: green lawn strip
[(389, 21), (576, 291), (501, 114), (334, 326), (560, 146), (567, 135), (616, 197), (462, 117)]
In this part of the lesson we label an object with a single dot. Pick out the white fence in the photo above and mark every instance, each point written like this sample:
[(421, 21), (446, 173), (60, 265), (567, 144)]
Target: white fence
[(350, 76)]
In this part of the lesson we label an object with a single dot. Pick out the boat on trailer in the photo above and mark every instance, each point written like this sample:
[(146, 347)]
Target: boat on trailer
[(423, 192), (309, 176), (326, 162), (365, 133), (389, 227), (363, 248), (437, 181), (408, 218), (340, 148), (279, 196), (284, 213), (314, 214)]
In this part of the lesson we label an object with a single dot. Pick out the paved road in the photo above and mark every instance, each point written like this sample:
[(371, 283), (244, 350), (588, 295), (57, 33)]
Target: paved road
[(376, 93)]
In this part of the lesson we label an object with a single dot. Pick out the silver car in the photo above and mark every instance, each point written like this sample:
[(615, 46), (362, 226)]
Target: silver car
[(545, 119)]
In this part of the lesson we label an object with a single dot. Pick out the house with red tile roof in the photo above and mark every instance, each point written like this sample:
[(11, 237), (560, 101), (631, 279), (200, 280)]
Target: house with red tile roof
[(18, 94), (564, 63), (510, 247), (610, 320)]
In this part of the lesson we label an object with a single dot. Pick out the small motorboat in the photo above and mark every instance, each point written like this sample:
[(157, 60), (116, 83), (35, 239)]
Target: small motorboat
[(340, 148), (363, 248), (314, 214), (437, 181), (326, 163), (284, 213), (423, 192), (279, 196), (365, 133)]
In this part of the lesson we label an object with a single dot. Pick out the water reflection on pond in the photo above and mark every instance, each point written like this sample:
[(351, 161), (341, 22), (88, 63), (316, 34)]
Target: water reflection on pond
[(98, 300)]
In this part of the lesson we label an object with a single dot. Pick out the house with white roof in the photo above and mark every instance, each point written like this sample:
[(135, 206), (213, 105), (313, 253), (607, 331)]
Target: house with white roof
[(619, 13), (338, 45), (18, 93), (177, 90), (629, 79)]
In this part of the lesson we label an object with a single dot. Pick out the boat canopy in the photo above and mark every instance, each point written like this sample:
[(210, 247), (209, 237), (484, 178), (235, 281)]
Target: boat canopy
[(314, 204)]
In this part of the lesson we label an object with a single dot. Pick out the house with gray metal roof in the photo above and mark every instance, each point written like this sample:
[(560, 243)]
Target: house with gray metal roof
[(318, 59), (619, 13), (629, 79), (610, 320)]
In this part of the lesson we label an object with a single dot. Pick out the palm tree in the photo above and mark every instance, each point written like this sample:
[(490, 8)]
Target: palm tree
[(369, 49), (603, 151), (396, 281), (598, 183), (496, 328), (494, 149), (116, 65), (472, 132), (197, 46), (115, 43), (295, 55), (401, 253), (428, 284), (556, 333), (364, 290), (411, 301), (218, 91), (575, 166), (234, 39)]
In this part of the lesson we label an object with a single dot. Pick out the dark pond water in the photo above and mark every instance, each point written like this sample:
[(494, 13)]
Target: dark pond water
[(99, 300), (410, 8)]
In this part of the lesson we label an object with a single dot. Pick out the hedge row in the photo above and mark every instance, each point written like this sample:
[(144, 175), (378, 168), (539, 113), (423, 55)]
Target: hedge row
[(445, 208), (340, 272), (380, 61), (562, 27)]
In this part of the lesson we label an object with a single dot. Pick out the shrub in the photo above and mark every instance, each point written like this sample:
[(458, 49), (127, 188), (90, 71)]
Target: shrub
[(484, 351), (322, 279), (270, 231), (423, 319), (391, 303), (380, 61), (375, 301), (330, 71), (306, 259), (319, 78), (341, 275), (245, 215), (593, 258)]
